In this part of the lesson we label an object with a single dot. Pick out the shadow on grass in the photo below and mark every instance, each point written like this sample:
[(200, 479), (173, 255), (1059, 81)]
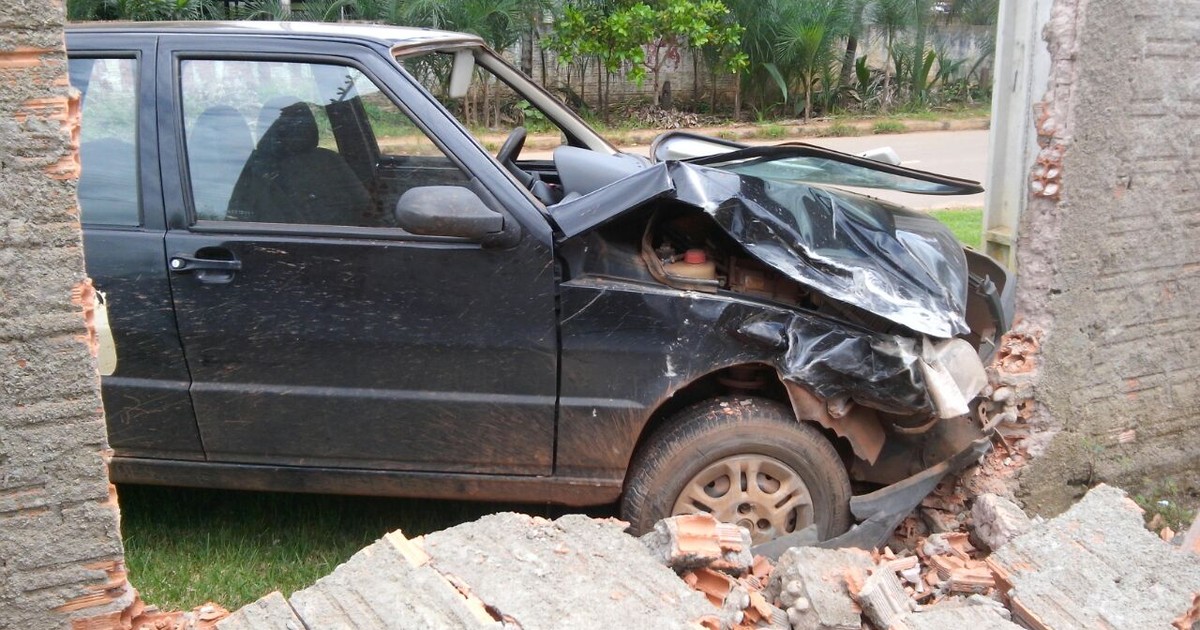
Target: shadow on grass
[(185, 546)]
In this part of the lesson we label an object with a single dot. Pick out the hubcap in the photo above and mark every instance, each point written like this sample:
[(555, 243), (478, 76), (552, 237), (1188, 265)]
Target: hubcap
[(757, 492)]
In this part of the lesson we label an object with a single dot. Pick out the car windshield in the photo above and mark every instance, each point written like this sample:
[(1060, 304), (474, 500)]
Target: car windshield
[(806, 164), (491, 108), (820, 170)]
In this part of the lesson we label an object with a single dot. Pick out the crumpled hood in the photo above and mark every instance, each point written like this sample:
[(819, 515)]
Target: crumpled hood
[(897, 264)]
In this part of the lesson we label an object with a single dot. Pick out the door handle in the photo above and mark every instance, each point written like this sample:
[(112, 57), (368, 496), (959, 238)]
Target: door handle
[(207, 270), (180, 263)]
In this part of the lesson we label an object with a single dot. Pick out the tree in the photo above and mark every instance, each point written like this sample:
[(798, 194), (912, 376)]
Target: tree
[(806, 42), (673, 24), (640, 37), (891, 16)]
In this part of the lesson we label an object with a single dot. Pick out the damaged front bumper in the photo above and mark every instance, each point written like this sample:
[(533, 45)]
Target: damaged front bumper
[(880, 512)]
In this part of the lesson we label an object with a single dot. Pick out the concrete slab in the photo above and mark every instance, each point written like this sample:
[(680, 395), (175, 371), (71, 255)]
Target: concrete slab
[(571, 573), (272, 612), (1096, 566), (386, 585), (959, 618), (812, 585), (998, 520)]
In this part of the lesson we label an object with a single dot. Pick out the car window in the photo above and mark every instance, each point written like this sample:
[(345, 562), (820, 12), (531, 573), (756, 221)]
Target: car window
[(108, 181), (300, 143)]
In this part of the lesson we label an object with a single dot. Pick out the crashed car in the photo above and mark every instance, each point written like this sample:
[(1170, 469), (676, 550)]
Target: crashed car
[(316, 277)]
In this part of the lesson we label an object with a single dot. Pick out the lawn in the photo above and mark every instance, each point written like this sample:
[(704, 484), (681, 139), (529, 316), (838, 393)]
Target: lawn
[(185, 547), (966, 223)]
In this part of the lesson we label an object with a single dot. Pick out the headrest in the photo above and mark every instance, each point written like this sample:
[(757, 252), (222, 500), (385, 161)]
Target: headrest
[(219, 130), (293, 132)]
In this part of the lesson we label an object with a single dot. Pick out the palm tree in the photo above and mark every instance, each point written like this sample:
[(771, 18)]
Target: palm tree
[(855, 24), (807, 41), (891, 16)]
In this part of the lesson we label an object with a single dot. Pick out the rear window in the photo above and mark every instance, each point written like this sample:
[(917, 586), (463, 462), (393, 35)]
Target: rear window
[(108, 182)]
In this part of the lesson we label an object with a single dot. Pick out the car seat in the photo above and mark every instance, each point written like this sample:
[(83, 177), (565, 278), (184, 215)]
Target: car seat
[(218, 146), (290, 179)]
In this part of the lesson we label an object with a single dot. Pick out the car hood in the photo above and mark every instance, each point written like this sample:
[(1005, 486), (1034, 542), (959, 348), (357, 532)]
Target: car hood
[(897, 264)]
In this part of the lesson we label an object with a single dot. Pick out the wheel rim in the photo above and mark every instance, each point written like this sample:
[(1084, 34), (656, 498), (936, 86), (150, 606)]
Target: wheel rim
[(758, 492)]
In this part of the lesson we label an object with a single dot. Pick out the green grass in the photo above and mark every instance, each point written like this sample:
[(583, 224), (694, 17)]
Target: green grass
[(1177, 508), (958, 112), (966, 223), (838, 130), (771, 131), (185, 547), (888, 126)]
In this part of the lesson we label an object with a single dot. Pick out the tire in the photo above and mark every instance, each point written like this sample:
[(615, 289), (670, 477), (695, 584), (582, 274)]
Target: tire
[(708, 446)]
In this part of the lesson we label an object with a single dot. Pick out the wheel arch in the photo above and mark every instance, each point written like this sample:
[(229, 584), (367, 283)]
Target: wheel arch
[(805, 405)]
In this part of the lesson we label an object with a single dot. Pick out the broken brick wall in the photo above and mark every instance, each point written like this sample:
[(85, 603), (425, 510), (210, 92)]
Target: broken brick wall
[(61, 560), (1109, 251)]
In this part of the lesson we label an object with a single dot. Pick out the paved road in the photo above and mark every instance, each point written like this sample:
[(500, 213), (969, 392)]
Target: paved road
[(956, 153)]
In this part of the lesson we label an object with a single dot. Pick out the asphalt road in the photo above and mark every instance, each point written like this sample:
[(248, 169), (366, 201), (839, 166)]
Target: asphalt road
[(956, 153)]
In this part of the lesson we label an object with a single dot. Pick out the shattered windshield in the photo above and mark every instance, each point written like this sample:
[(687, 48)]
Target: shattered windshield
[(818, 170), (806, 164)]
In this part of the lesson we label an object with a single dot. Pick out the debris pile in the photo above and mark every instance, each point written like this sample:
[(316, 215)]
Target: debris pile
[(659, 118), (714, 558), (1094, 566)]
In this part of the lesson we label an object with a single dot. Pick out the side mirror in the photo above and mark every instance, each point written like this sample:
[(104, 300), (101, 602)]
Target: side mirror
[(447, 211)]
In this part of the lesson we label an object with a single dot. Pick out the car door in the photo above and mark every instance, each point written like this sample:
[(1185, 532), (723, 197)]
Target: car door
[(144, 377), (318, 333)]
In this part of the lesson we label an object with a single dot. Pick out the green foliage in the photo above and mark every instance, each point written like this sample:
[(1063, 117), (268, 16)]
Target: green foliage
[(771, 131), (806, 42), (141, 10), (838, 130), (777, 76), (888, 126), (1175, 507), (640, 37)]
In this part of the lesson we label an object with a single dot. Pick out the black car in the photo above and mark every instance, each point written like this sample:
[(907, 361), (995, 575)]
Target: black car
[(316, 278)]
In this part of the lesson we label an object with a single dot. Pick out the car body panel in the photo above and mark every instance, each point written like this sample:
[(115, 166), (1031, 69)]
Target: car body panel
[(851, 248)]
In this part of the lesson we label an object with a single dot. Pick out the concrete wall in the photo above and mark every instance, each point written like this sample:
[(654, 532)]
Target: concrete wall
[(1109, 250), (61, 560)]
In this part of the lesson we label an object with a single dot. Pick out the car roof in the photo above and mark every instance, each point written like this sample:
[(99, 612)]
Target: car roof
[(394, 37)]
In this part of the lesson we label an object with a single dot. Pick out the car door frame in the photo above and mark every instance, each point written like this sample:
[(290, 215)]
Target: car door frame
[(147, 403), (398, 86)]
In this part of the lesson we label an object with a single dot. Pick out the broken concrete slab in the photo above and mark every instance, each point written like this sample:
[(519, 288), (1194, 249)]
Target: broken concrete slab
[(813, 585), (998, 520), (883, 599), (692, 541), (271, 612), (574, 572), (389, 584), (945, 617), (1096, 566)]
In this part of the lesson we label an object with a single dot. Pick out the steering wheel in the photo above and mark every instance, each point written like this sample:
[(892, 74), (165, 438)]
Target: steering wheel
[(511, 149), (507, 155)]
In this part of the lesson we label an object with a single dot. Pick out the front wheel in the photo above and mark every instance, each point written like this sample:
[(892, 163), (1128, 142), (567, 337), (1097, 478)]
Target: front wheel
[(744, 460)]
